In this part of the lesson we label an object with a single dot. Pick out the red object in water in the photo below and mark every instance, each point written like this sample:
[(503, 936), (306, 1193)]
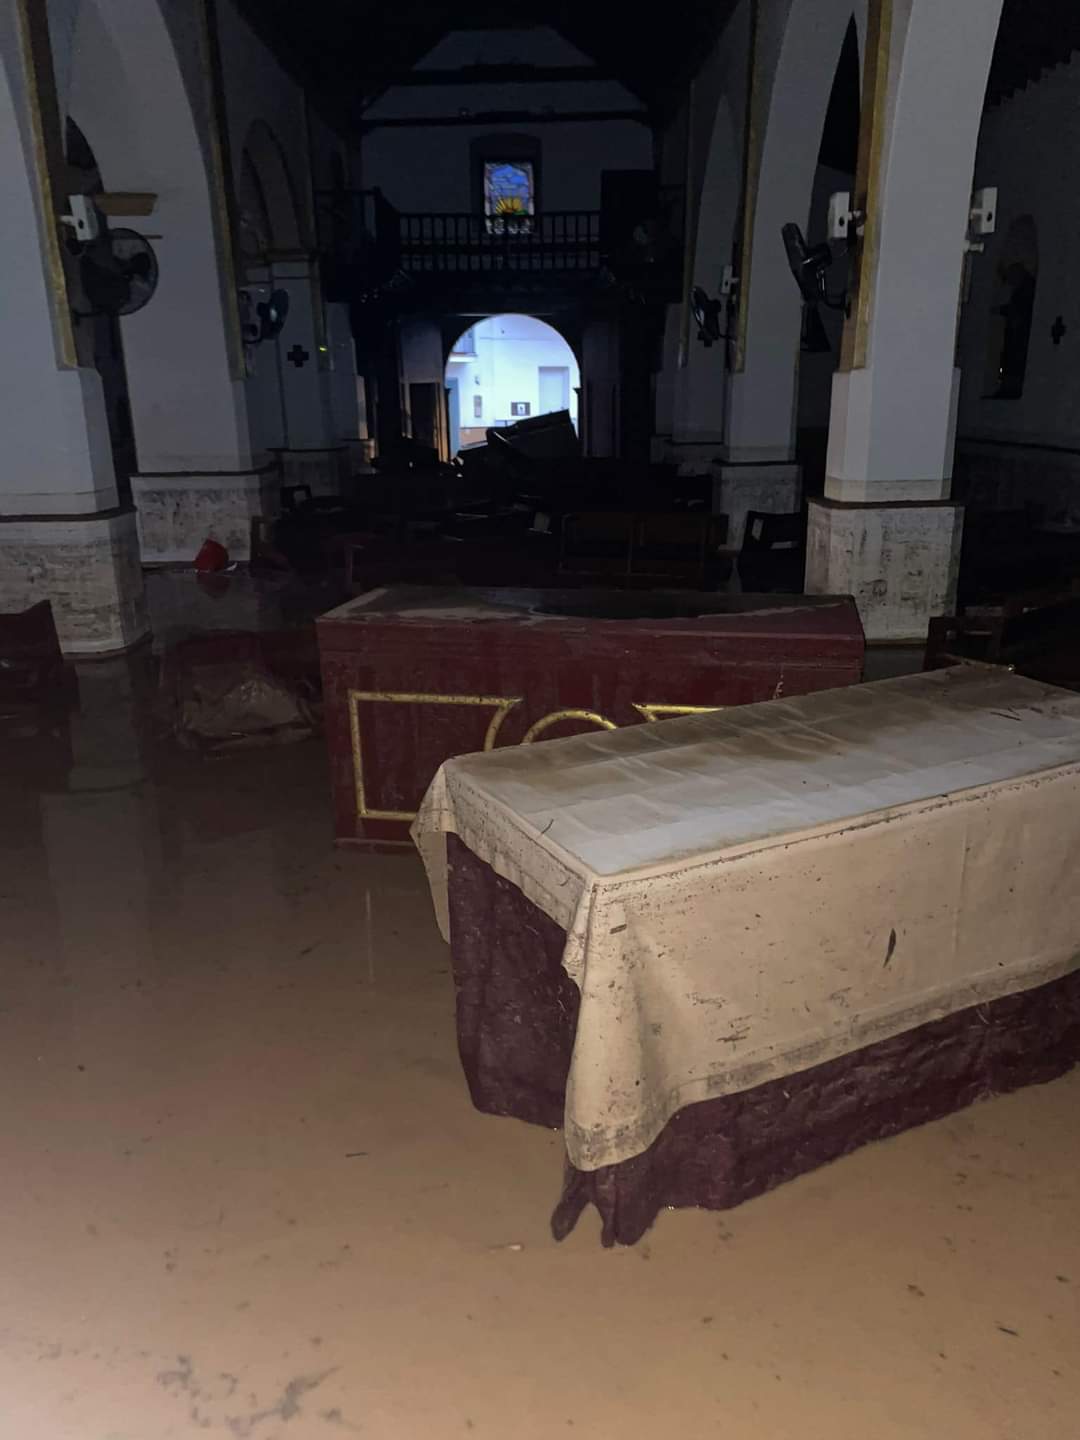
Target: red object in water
[(212, 556)]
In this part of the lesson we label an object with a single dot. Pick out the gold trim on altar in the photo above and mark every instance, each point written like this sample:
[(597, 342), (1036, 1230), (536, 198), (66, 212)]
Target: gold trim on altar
[(501, 706), (667, 712), (538, 727)]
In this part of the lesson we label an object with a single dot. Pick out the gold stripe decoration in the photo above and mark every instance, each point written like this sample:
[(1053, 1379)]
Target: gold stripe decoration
[(538, 727), (46, 165), (653, 713), (501, 705), (855, 343)]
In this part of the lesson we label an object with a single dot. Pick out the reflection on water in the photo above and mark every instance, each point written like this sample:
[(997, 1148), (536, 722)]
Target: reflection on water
[(123, 853)]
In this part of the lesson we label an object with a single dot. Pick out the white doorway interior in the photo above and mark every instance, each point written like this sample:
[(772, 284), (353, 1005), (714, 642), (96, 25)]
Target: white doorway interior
[(505, 368), (554, 388)]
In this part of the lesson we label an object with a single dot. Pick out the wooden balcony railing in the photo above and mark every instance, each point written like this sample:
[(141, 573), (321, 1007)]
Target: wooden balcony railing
[(461, 244), (365, 241)]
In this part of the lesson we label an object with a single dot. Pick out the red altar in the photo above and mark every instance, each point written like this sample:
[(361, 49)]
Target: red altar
[(413, 675)]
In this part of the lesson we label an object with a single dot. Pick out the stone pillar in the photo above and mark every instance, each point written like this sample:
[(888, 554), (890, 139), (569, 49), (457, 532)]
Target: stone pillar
[(886, 531), (899, 561), (64, 537)]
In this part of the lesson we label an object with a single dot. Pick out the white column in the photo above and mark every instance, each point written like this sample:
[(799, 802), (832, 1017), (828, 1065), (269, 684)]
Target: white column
[(63, 536), (885, 531)]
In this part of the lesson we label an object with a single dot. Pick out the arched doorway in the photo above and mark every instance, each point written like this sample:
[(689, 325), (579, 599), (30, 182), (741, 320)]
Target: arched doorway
[(506, 368)]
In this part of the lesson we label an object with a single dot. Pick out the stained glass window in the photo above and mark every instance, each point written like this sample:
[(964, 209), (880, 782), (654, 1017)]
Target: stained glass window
[(509, 196)]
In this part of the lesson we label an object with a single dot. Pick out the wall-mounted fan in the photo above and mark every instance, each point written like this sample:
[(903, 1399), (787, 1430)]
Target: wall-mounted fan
[(706, 313), (808, 265), (262, 319), (119, 272)]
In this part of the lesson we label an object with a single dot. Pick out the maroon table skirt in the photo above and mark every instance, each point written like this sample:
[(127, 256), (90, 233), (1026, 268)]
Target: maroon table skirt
[(517, 1014)]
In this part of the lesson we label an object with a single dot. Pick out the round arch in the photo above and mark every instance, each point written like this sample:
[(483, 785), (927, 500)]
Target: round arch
[(565, 327), (507, 367), (269, 213)]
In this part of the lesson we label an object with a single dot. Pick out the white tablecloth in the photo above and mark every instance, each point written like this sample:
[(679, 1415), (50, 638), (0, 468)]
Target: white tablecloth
[(748, 893)]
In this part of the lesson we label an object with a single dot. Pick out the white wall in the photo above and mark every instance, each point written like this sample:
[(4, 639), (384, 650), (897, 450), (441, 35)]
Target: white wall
[(510, 351), (425, 168), (126, 89), (1027, 146)]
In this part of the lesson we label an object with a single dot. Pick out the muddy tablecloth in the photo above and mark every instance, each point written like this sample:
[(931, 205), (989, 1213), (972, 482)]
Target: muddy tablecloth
[(752, 892)]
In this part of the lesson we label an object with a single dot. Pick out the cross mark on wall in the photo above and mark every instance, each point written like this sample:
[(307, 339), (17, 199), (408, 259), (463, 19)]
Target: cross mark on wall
[(298, 356)]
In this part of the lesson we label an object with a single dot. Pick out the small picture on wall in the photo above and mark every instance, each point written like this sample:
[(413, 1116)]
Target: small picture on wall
[(519, 408), (478, 407)]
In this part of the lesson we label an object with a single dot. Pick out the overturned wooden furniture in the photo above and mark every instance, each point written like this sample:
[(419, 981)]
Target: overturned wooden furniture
[(1036, 632), (724, 949), (413, 675)]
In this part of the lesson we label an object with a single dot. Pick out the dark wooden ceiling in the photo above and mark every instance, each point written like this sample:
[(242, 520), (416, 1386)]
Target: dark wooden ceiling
[(348, 51), (1033, 37)]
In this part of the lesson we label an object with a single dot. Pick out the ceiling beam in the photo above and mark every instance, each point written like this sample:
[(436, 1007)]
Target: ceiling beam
[(506, 117), (503, 75)]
